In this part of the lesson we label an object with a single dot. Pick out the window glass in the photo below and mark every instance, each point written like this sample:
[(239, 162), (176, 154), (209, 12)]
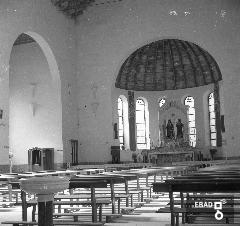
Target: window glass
[(120, 122), (189, 101), (141, 124), (212, 119), (213, 143)]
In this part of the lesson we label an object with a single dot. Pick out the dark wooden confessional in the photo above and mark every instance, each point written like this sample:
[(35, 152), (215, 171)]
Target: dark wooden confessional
[(41, 159)]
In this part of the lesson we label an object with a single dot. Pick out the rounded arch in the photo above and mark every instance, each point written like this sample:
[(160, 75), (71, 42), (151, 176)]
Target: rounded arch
[(183, 98), (143, 98), (52, 63), (124, 98), (47, 104)]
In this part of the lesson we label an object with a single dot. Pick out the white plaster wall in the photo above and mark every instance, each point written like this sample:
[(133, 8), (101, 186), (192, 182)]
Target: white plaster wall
[(108, 34), (42, 18), (32, 126)]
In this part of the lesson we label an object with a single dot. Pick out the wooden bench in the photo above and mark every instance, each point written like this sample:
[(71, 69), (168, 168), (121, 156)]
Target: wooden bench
[(75, 215), (198, 184), (228, 213), (78, 223), (18, 223), (29, 223), (127, 210)]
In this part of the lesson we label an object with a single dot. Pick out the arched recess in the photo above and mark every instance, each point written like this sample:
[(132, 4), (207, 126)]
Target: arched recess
[(35, 107)]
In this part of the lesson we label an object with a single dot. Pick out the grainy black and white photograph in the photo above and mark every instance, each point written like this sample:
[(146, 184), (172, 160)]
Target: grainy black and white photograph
[(120, 112)]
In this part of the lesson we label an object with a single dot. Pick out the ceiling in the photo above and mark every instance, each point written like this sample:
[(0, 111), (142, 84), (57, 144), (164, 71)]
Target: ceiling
[(71, 8), (168, 64), (74, 8)]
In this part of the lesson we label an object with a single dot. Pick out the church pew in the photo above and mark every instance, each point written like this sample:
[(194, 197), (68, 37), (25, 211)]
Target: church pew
[(82, 181), (228, 213), (29, 223), (75, 182), (195, 185), (75, 215), (111, 180), (216, 176)]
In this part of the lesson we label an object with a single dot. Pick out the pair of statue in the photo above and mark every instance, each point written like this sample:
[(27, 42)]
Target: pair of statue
[(170, 129)]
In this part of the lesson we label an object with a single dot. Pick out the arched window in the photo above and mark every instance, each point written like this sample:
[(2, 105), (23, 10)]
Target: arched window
[(212, 120), (141, 124), (120, 122), (162, 102), (189, 101)]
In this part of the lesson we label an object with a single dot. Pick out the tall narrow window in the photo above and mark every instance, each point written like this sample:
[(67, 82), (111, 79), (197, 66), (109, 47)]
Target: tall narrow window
[(212, 120), (120, 122), (189, 101), (141, 124)]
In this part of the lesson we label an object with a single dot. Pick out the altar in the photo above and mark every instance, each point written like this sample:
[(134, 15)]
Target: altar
[(174, 145), (167, 157)]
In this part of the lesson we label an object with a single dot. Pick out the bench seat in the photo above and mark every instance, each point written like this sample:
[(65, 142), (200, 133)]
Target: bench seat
[(201, 212), (18, 223), (86, 202), (75, 215), (28, 223)]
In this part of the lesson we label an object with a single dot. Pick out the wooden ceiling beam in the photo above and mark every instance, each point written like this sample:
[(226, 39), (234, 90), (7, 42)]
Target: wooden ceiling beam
[(164, 66), (183, 43), (181, 61), (173, 66), (207, 63)]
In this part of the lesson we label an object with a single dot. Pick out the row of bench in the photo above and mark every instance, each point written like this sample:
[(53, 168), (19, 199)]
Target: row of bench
[(211, 184), (113, 183)]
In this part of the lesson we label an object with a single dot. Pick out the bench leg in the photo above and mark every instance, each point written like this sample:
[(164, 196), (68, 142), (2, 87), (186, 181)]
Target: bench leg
[(127, 202), (24, 206), (171, 208), (182, 206), (33, 213), (100, 213), (75, 218), (108, 219), (177, 219), (227, 220), (119, 205), (141, 196), (59, 208)]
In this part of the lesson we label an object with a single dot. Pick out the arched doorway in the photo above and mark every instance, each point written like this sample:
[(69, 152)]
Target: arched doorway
[(35, 109)]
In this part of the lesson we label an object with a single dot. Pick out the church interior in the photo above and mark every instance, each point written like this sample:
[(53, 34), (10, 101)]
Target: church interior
[(109, 94)]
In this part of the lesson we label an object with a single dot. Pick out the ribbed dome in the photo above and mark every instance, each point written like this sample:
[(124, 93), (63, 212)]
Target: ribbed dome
[(168, 64)]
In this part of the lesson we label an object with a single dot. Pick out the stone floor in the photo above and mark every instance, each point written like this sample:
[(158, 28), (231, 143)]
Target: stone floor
[(143, 217)]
